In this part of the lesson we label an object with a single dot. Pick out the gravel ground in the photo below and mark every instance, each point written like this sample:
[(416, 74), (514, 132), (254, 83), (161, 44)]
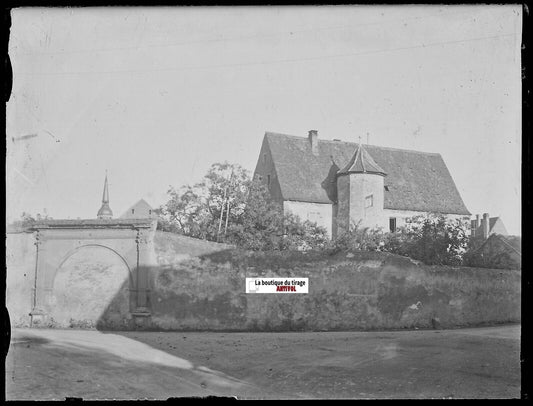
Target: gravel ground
[(462, 363)]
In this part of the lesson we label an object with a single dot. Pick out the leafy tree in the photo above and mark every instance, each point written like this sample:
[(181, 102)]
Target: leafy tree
[(226, 188), (259, 227), (228, 206), (263, 226), (185, 212), (205, 209)]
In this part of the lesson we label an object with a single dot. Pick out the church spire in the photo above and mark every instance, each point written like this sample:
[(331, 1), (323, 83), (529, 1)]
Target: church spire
[(105, 211), (105, 196)]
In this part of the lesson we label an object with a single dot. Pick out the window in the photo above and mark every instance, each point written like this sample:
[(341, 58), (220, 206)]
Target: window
[(392, 224), (268, 180), (369, 201), (386, 188), (132, 211), (314, 217), (150, 212)]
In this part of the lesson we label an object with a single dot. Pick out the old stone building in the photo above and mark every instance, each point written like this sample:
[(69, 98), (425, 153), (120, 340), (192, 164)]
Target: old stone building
[(336, 183)]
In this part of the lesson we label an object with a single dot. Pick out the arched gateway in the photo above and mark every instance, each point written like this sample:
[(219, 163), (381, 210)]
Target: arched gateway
[(58, 240)]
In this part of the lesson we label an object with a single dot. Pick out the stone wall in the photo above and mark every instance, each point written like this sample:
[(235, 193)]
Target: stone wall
[(361, 291), (20, 278), (198, 285)]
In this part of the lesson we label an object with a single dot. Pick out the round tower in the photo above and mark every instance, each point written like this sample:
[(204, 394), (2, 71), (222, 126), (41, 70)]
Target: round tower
[(360, 193)]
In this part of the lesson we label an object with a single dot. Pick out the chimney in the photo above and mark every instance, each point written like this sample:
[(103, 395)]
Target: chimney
[(485, 223), (313, 140), (473, 225), (476, 224)]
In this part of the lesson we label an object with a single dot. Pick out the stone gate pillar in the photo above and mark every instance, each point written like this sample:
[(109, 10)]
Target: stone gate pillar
[(38, 312), (42, 290), (145, 261)]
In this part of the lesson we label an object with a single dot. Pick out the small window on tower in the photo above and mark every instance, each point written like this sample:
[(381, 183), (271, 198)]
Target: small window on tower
[(268, 180), (264, 158), (369, 201)]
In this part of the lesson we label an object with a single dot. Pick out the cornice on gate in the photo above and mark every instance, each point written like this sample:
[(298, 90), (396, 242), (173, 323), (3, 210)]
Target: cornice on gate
[(93, 224)]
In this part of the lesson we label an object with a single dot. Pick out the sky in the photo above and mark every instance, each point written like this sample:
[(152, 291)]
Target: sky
[(156, 95)]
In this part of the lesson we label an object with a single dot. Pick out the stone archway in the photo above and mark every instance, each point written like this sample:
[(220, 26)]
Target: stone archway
[(92, 287), (129, 242)]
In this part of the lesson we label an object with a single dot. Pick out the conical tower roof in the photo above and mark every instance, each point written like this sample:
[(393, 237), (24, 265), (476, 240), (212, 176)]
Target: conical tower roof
[(362, 162), (105, 211)]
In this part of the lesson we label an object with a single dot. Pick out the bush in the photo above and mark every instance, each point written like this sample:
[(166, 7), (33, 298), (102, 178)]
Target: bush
[(360, 239), (432, 239), (302, 236)]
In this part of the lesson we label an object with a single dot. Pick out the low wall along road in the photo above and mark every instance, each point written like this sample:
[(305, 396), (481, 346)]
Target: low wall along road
[(198, 285)]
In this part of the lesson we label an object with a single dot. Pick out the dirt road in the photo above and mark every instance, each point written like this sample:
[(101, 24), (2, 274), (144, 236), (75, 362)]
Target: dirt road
[(463, 363)]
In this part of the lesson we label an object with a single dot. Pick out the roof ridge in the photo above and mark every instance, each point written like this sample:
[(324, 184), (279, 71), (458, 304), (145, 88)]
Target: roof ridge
[(285, 135), (504, 240), (352, 143), (382, 147)]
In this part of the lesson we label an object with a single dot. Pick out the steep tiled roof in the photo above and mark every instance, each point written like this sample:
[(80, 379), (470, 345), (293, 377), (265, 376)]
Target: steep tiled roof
[(512, 242), (417, 181)]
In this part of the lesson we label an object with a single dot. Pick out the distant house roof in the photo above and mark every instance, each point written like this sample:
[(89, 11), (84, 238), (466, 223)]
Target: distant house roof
[(512, 242), (496, 226), (417, 181), (138, 209)]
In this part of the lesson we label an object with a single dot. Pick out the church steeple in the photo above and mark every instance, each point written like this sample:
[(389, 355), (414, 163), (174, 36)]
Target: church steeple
[(105, 211)]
